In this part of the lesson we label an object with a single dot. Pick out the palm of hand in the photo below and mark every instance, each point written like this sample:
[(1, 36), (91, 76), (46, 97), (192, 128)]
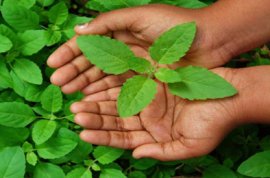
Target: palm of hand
[(169, 128)]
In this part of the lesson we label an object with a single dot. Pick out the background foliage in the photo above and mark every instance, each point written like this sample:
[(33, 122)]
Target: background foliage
[(37, 135)]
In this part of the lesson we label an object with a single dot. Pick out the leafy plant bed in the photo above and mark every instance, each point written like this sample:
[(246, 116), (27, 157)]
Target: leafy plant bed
[(38, 137)]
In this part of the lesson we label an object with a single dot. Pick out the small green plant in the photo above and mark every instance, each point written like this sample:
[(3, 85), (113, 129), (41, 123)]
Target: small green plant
[(192, 83)]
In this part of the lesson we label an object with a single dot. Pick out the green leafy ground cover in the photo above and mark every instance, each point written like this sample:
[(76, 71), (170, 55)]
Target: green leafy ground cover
[(37, 135)]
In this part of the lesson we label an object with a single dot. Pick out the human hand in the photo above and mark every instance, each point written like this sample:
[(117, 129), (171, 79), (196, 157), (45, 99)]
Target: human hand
[(138, 27), (170, 128)]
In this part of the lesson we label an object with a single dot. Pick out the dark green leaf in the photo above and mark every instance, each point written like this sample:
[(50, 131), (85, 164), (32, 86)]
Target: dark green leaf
[(218, 171), (12, 136)]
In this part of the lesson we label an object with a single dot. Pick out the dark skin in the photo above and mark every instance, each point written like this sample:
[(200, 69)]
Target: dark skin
[(170, 128)]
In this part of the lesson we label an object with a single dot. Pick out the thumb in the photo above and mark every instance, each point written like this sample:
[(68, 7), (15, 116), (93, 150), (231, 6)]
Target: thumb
[(105, 23)]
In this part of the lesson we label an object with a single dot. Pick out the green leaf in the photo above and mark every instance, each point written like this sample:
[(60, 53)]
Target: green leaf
[(14, 114), (72, 21), (18, 85), (58, 146), (19, 17), (81, 152), (111, 173), (182, 3), (43, 130), (108, 5), (25, 3), (139, 65), (12, 163), (257, 165), (265, 143), (12, 136), (5, 79), (58, 13), (6, 31), (31, 158), (143, 164), (52, 99), (108, 54), (200, 83), (167, 75), (48, 170), (5, 44), (137, 174), (106, 155), (46, 3), (28, 71), (136, 94), (173, 44), (80, 172), (52, 37), (218, 171), (33, 93), (32, 41)]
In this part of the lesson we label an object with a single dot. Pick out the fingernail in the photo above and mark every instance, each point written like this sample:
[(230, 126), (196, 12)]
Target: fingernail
[(82, 25)]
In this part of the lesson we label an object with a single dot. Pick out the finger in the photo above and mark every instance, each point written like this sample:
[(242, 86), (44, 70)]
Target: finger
[(104, 108), (117, 20), (125, 140), (91, 75), (128, 38), (65, 53), (107, 83), (169, 151), (105, 122), (107, 95), (69, 71)]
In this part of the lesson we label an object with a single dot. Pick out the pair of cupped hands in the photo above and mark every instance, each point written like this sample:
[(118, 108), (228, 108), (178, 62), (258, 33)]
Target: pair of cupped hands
[(170, 128)]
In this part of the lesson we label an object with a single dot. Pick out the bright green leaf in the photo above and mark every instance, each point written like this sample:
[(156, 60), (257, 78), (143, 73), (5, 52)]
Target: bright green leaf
[(43, 130), (18, 85), (48, 170), (173, 44), (58, 13), (31, 158), (80, 172), (137, 174), (200, 83), (81, 152), (139, 65), (12, 163), (52, 37), (46, 3), (111, 173), (58, 146), (257, 165), (33, 93), (32, 41), (167, 75), (28, 71), (218, 171), (106, 155), (5, 44), (108, 54), (14, 114), (52, 99), (6, 31), (19, 17), (143, 164), (136, 94)]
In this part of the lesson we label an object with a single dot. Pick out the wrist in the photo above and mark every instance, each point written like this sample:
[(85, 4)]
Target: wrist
[(253, 99)]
